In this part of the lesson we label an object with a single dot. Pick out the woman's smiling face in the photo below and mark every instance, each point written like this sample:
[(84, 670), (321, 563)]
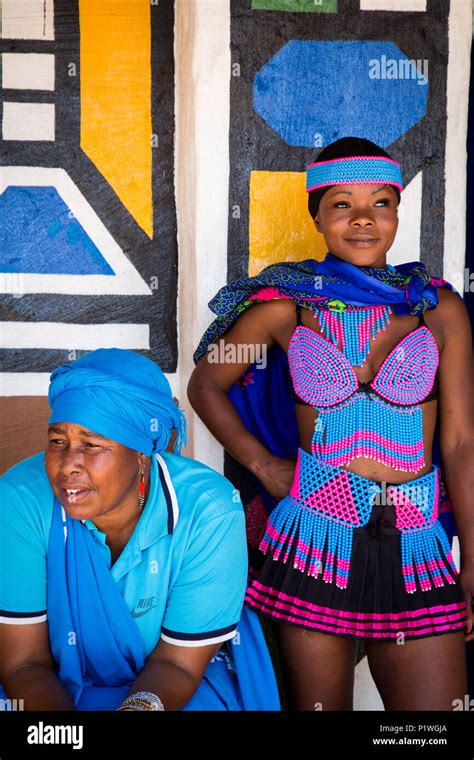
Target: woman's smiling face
[(359, 222)]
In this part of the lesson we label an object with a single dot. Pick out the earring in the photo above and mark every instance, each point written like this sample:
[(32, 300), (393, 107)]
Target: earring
[(141, 488)]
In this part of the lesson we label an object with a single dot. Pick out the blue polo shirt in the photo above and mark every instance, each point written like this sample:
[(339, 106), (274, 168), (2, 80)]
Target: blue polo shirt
[(182, 573)]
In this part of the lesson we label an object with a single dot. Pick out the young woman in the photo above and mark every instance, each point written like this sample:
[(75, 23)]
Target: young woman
[(362, 359)]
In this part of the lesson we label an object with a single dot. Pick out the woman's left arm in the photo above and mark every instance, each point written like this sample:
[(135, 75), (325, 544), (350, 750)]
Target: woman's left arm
[(174, 673), (456, 408)]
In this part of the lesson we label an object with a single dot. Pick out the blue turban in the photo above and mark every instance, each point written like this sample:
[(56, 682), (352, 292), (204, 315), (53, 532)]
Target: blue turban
[(121, 395)]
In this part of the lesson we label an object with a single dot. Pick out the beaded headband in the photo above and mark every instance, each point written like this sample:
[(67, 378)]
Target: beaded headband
[(354, 170)]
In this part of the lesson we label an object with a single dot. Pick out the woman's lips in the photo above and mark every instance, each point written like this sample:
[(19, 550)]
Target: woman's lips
[(74, 496), (362, 242)]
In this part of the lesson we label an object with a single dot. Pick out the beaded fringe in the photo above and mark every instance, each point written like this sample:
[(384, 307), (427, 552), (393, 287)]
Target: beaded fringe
[(422, 534), (371, 428), (354, 330), (421, 552), (316, 522), (313, 533)]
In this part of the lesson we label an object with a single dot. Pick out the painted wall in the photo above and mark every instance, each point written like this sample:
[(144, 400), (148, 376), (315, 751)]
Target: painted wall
[(87, 209), (150, 151)]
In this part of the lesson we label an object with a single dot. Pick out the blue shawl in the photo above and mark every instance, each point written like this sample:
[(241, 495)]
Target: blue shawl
[(99, 650)]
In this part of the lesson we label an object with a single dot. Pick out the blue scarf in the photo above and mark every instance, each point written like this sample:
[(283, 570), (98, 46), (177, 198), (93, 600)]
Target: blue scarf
[(331, 284), (120, 394), (100, 651)]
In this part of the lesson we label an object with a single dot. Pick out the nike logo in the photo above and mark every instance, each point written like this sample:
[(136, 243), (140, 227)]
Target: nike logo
[(139, 613), (144, 605)]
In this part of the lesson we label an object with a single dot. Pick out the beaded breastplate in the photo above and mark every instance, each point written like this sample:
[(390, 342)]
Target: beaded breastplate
[(380, 419)]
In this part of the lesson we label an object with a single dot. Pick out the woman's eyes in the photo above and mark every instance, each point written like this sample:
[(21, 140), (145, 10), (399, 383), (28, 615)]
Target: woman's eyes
[(61, 442), (345, 204)]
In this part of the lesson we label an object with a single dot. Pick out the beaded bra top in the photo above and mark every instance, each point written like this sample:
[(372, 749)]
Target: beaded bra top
[(381, 419)]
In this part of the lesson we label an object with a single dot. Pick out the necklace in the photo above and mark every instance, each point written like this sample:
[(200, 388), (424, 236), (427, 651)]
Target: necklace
[(354, 330)]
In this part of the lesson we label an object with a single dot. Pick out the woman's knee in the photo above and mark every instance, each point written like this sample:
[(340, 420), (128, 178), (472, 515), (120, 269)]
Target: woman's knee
[(421, 674), (319, 668)]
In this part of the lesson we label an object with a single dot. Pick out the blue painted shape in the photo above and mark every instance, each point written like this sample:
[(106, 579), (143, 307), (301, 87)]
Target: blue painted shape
[(336, 89), (39, 235)]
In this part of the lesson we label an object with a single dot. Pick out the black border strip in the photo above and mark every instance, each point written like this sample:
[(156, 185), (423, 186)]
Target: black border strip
[(198, 636), (21, 615)]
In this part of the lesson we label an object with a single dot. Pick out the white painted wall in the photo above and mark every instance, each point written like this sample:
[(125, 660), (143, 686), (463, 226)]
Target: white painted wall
[(202, 54)]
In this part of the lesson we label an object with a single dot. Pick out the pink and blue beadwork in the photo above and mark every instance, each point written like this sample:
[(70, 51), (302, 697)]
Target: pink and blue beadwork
[(316, 520), (425, 548), (320, 512), (383, 421), (354, 169), (369, 427), (344, 554), (354, 330)]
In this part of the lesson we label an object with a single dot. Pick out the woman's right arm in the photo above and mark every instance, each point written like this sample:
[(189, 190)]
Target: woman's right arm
[(26, 668), (253, 333)]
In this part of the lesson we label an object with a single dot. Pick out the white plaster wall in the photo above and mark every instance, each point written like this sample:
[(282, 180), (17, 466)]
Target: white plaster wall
[(202, 54)]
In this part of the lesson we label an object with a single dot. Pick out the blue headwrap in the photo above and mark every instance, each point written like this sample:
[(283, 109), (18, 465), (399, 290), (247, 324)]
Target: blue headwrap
[(121, 395)]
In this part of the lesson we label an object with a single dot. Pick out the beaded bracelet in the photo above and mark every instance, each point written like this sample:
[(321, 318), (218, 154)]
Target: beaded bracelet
[(142, 701)]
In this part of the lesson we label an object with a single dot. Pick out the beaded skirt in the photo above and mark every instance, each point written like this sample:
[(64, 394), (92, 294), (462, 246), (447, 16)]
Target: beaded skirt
[(358, 558)]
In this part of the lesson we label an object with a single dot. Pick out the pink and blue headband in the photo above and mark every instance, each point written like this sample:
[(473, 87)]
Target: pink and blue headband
[(354, 170)]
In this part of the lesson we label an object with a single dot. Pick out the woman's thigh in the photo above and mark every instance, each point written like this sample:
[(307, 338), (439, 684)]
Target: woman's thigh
[(421, 674), (319, 668)]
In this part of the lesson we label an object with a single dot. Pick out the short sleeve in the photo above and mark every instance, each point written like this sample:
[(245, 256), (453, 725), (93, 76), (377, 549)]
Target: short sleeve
[(22, 558), (205, 603)]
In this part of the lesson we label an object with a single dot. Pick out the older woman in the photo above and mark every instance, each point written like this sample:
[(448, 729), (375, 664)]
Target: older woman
[(122, 566)]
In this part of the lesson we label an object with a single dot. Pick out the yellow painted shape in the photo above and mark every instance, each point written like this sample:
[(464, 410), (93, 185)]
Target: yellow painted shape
[(116, 125), (280, 227)]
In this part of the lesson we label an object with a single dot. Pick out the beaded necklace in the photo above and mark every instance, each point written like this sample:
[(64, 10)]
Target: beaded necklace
[(354, 330)]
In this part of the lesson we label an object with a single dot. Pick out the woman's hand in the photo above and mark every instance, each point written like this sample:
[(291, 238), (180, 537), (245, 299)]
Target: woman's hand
[(27, 670), (276, 476), (466, 577), (261, 326), (172, 673)]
